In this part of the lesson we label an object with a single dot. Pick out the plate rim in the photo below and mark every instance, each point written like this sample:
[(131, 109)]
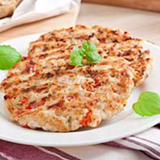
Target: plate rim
[(145, 127), (78, 144)]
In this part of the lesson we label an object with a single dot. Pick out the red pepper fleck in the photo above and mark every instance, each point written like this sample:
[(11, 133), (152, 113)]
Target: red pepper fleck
[(94, 101), (6, 97), (41, 56), (97, 79), (29, 107), (37, 71), (84, 122), (97, 82), (71, 47), (97, 85), (89, 119), (23, 58), (89, 88), (16, 65), (40, 90), (98, 123), (25, 126), (42, 102), (69, 98), (71, 67), (54, 106), (28, 57), (24, 100), (102, 40)]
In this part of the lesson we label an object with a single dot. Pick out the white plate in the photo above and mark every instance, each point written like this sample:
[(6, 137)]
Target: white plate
[(125, 124)]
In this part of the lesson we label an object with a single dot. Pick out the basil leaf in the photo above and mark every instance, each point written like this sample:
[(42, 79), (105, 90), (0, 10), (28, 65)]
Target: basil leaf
[(90, 51), (148, 104), (76, 59), (93, 57), (8, 57), (81, 52), (89, 46)]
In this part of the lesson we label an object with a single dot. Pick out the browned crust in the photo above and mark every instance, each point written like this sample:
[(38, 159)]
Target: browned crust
[(44, 91), (57, 97), (112, 42)]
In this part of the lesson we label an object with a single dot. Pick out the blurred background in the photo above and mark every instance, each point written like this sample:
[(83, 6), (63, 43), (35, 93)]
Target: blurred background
[(140, 17)]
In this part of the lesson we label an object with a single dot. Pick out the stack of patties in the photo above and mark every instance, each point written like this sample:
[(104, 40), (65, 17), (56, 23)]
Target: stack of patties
[(45, 91)]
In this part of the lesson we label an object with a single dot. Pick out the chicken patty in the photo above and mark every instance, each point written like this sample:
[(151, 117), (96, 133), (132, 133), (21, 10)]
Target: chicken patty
[(47, 93), (112, 42)]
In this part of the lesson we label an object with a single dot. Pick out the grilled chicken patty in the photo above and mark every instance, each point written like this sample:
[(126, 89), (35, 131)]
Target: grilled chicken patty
[(44, 91), (48, 93), (109, 42)]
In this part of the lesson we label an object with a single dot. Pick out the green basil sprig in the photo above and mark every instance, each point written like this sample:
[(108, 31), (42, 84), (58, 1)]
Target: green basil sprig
[(8, 57), (148, 104), (89, 50)]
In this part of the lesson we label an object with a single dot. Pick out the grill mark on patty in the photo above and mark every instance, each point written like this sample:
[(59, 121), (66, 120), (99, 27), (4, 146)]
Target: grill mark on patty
[(87, 94)]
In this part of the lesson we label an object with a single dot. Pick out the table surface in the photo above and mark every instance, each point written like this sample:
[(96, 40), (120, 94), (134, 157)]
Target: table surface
[(142, 24), (49, 24)]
